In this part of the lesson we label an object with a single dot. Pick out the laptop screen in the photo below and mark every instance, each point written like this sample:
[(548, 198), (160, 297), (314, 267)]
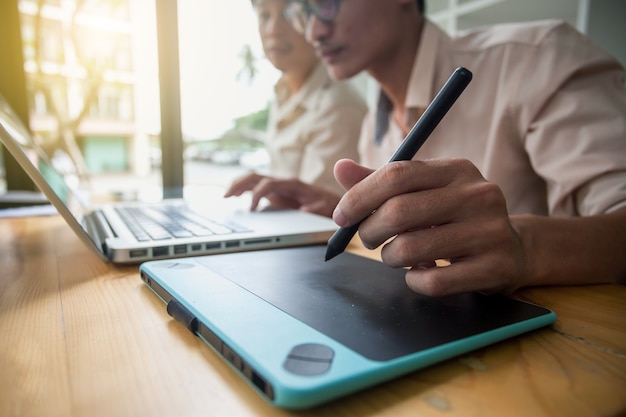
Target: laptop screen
[(50, 167)]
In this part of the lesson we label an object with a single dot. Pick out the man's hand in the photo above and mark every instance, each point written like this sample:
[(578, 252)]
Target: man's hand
[(433, 210)]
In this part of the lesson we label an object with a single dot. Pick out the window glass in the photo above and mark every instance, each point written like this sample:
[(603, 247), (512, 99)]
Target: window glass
[(92, 83)]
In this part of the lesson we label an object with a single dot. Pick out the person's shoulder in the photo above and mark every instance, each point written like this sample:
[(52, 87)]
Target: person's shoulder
[(531, 34), (338, 90), (550, 43), (341, 94), (322, 93)]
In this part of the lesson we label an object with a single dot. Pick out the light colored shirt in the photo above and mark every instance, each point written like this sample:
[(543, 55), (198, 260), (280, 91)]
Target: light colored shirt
[(313, 128), (544, 116)]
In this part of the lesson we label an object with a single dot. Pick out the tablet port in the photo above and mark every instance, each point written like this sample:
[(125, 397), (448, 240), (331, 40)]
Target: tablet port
[(261, 384)]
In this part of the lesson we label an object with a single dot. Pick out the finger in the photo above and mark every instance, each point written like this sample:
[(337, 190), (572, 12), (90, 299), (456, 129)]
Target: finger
[(484, 256), (452, 241), (367, 195), (479, 227), (347, 172), (397, 178), (401, 214), (474, 206), (415, 211), (259, 191), (441, 281), (279, 192), (243, 184), (472, 275)]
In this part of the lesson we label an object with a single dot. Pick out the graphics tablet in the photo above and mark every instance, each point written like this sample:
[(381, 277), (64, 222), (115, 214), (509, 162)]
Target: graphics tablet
[(303, 331)]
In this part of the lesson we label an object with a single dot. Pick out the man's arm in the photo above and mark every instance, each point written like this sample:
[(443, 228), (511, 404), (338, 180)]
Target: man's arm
[(575, 250), (444, 209)]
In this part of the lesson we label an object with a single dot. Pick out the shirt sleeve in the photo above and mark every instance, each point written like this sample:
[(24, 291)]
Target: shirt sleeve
[(574, 112)]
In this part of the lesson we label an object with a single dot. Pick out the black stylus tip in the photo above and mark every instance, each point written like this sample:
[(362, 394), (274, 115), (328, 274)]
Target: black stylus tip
[(331, 252)]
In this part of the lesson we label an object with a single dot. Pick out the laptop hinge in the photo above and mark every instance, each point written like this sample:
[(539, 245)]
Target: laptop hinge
[(181, 314), (96, 230), (104, 229)]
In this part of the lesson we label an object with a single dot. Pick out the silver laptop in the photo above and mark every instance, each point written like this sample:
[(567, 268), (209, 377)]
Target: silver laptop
[(134, 232)]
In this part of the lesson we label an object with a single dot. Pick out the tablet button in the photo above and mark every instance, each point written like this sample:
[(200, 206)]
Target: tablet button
[(312, 351), (305, 367), (309, 359), (173, 265)]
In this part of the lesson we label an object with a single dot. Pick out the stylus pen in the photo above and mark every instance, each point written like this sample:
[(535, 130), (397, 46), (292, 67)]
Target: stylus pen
[(431, 117)]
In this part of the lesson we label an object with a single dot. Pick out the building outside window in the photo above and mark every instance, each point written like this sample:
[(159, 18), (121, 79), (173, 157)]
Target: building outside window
[(92, 81)]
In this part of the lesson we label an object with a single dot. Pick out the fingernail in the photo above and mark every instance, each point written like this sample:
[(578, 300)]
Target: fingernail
[(338, 216)]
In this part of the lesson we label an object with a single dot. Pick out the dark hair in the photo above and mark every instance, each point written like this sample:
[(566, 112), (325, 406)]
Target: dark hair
[(421, 6)]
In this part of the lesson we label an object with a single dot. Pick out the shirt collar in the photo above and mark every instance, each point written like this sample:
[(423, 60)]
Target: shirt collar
[(420, 88), (304, 97)]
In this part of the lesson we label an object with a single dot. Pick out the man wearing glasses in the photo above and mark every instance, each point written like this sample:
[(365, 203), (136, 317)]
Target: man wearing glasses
[(523, 182)]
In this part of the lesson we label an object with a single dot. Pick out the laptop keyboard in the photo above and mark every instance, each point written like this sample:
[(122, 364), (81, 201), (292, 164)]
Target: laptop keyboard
[(169, 222)]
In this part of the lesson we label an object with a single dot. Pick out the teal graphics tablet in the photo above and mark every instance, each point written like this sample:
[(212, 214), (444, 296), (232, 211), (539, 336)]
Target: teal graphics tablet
[(303, 331)]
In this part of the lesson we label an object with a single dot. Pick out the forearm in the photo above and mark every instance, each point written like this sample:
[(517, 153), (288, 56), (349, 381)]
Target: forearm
[(577, 250)]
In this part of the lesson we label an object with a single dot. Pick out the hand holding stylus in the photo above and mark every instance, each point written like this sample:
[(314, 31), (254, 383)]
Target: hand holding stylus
[(433, 114)]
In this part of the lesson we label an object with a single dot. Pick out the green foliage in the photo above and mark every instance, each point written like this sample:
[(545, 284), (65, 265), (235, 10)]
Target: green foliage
[(254, 121)]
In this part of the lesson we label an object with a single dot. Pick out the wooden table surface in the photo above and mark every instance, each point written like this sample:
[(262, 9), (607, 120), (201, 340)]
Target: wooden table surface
[(80, 337)]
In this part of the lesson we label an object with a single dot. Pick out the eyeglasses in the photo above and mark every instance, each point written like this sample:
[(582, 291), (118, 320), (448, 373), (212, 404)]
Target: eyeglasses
[(298, 12)]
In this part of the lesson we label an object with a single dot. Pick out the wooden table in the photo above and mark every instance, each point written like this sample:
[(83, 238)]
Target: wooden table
[(79, 337)]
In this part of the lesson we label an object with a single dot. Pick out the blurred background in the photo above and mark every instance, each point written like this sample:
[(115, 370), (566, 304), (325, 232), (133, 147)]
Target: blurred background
[(142, 95)]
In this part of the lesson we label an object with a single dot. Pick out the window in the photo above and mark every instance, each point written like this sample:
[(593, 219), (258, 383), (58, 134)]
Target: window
[(226, 86), (92, 73)]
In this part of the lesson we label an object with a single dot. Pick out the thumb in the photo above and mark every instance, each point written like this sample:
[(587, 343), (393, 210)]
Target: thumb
[(347, 172)]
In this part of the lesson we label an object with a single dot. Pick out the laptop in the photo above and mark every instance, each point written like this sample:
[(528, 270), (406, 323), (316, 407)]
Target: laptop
[(304, 332), (133, 232)]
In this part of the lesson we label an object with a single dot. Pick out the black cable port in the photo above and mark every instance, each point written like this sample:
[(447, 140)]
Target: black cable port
[(261, 384), (229, 354), (257, 241), (138, 253), (161, 251)]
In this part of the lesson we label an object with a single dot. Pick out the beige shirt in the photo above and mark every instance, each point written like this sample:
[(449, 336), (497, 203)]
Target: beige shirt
[(544, 116), (312, 129)]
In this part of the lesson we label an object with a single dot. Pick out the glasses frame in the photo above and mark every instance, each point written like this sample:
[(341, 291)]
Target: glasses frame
[(298, 12)]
